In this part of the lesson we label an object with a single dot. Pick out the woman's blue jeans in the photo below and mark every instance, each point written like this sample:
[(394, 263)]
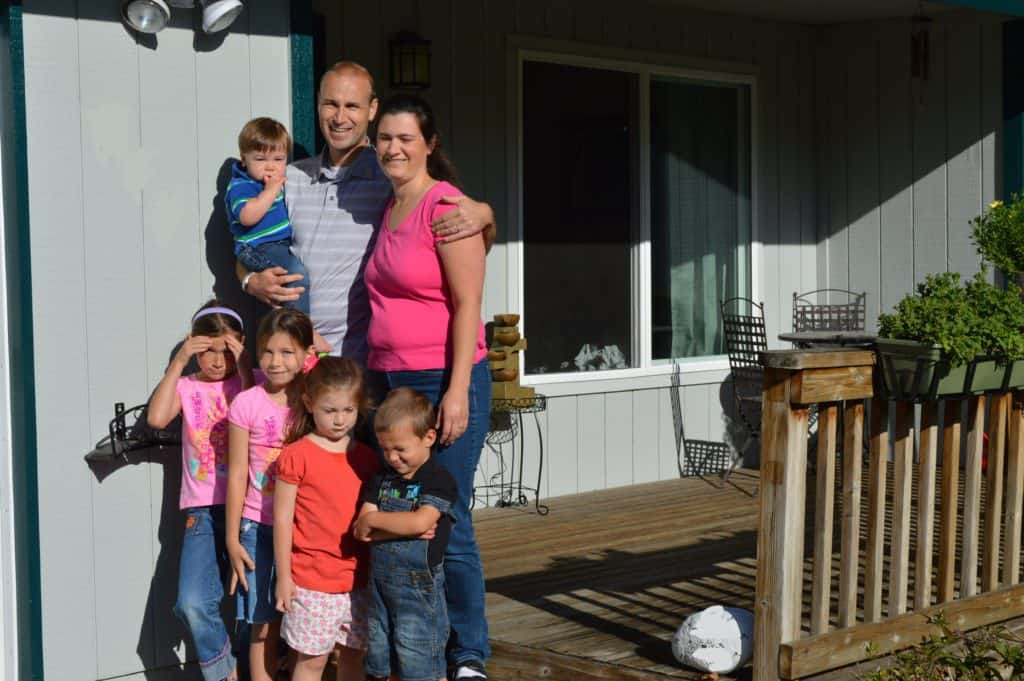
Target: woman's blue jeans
[(463, 572), (201, 576)]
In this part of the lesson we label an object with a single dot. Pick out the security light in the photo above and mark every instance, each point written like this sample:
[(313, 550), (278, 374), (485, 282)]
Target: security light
[(219, 14), (145, 16)]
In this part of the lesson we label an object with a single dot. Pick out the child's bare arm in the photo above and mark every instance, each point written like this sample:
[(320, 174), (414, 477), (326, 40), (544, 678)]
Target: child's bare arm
[(165, 404), (238, 480), (407, 524), (284, 516)]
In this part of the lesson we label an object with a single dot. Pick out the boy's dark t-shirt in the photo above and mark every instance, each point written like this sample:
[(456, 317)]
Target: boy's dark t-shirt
[(431, 480)]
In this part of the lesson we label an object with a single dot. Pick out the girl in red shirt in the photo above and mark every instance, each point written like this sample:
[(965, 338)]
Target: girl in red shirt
[(321, 568)]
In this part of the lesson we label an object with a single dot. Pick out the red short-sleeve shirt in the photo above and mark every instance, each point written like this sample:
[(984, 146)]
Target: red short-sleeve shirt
[(325, 555)]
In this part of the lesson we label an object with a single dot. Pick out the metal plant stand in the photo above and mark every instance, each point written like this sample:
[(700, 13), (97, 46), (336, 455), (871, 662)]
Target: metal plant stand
[(507, 428)]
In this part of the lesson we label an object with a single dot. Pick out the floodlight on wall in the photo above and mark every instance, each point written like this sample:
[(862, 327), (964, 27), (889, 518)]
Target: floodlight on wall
[(410, 62), (219, 14), (145, 16)]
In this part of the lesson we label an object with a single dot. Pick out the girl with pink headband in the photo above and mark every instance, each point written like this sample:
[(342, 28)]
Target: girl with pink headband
[(216, 342)]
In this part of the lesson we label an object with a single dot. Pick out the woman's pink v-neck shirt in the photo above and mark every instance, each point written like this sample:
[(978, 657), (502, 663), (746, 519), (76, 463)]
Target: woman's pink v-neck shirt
[(411, 305)]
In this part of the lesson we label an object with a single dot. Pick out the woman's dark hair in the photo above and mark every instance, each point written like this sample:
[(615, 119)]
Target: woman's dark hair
[(330, 373), (214, 323), (285, 320), (438, 165)]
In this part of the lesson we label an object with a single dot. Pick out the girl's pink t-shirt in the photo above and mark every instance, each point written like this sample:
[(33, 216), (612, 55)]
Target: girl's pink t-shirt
[(410, 326), (204, 442), (266, 421)]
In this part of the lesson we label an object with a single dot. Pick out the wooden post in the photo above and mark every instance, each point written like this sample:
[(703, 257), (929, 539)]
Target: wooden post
[(780, 533), (1014, 493), (793, 380), (994, 490), (972, 498), (824, 510), (853, 448), (950, 495), (877, 470), (902, 473), (926, 505)]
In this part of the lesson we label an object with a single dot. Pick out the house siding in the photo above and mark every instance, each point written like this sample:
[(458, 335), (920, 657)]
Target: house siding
[(908, 164), (619, 432), (126, 137)]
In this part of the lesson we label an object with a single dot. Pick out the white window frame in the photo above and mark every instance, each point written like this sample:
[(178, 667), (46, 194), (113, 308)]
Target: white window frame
[(649, 373)]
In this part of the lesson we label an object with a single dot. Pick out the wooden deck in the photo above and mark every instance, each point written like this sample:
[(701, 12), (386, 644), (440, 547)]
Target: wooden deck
[(596, 589)]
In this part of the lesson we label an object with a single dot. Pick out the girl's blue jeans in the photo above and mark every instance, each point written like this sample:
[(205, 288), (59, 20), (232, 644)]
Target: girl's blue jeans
[(201, 575), (463, 572)]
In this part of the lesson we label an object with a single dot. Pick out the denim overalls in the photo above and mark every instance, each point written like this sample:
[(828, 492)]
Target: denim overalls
[(409, 624)]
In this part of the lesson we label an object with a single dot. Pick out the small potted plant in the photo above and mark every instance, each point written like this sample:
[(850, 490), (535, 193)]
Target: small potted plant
[(950, 338)]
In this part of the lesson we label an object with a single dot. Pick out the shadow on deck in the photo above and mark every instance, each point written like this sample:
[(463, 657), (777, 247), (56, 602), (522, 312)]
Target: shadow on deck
[(597, 588)]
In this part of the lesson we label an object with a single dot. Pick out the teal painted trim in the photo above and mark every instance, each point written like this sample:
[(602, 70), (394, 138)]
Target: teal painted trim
[(1012, 7), (22, 374), (303, 103), (1013, 108)]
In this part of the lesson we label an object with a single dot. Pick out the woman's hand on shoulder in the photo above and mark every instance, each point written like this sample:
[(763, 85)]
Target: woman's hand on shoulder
[(452, 415)]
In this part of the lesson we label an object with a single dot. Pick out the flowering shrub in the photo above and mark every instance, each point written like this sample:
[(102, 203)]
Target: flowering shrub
[(999, 235)]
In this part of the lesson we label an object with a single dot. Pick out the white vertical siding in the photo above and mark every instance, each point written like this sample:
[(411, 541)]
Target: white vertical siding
[(125, 142)]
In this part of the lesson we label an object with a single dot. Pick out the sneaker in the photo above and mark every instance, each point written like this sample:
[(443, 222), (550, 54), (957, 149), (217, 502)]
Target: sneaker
[(470, 670)]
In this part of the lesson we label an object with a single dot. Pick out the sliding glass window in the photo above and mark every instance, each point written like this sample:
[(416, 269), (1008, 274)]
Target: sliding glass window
[(636, 195)]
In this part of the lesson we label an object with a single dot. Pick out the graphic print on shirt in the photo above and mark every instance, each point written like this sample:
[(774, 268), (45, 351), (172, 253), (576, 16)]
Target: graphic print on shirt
[(210, 437), (265, 478), (388, 489)]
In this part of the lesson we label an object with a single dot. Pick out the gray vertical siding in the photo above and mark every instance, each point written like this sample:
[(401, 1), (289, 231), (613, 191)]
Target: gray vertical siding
[(624, 435), (125, 142), (862, 180), (909, 163)]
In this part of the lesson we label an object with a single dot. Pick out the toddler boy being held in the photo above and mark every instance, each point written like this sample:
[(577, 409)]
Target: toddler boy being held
[(401, 506), (256, 205)]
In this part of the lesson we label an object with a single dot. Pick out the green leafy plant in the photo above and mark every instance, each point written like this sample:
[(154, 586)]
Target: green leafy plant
[(966, 320), (986, 654), (999, 235)]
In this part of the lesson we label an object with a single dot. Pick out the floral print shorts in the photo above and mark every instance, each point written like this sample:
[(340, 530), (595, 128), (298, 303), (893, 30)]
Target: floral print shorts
[(317, 620)]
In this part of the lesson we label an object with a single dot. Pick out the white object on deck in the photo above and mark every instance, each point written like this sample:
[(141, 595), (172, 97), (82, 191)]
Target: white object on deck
[(717, 639)]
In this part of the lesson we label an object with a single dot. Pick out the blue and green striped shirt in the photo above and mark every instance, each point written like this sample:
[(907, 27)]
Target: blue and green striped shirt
[(273, 227)]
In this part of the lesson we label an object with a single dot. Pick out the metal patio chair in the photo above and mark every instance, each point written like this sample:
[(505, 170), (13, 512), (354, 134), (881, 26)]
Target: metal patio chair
[(843, 311), (745, 339)]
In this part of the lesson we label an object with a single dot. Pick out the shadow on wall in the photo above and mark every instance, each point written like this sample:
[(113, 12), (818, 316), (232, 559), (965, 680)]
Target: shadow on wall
[(161, 633), (220, 258)]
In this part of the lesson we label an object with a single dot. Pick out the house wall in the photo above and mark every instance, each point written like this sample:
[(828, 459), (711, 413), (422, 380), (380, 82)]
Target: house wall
[(614, 432), (905, 164), (126, 137)]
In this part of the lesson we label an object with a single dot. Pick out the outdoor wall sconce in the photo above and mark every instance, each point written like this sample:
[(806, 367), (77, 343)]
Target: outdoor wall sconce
[(410, 62), (146, 16), (919, 48), (151, 16)]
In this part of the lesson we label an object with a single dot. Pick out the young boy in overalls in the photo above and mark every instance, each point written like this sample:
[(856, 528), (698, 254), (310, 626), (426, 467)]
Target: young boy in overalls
[(406, 513)]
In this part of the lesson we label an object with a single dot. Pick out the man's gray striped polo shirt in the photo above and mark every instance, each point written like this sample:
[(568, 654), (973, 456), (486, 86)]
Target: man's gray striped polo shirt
[(335, 214)]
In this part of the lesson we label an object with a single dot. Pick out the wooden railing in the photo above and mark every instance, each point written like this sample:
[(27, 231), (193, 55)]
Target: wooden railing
[(796, 637)]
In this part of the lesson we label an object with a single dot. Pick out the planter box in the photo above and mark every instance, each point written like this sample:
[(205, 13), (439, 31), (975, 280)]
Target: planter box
[(1015, 375), (918, 371), (985, 375)]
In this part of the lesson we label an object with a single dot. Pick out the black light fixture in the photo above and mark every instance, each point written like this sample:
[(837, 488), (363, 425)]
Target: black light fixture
[(410, 62), (920, 53)]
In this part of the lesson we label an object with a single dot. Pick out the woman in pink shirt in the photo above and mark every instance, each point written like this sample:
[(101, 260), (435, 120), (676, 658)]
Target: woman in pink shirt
[(426, 333)]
